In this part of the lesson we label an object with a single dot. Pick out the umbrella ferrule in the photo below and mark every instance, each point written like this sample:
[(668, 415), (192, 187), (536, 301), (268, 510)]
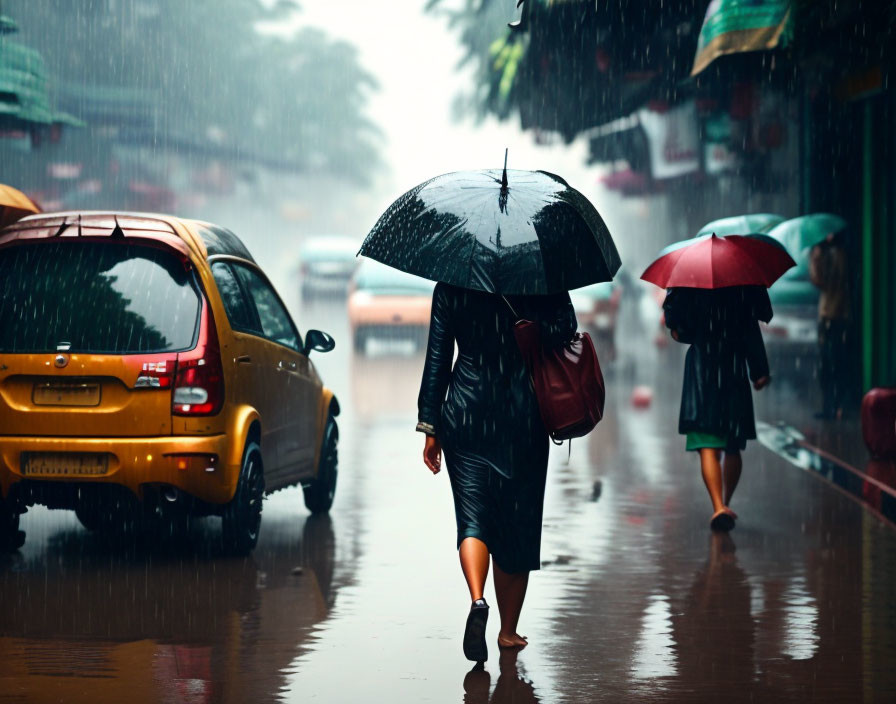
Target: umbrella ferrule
[(504, 175)]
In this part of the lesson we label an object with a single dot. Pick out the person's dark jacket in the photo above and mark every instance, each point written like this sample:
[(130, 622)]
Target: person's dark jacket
[(485, 405), (726, 353)]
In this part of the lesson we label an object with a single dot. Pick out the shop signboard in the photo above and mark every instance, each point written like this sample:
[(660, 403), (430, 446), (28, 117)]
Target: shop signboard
[(672, 140)]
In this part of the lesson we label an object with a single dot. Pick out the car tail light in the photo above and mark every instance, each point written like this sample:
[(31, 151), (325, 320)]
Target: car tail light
[(156, 374), (199, 382)]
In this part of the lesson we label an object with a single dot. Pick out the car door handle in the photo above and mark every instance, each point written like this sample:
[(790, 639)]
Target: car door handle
[(244, 359)]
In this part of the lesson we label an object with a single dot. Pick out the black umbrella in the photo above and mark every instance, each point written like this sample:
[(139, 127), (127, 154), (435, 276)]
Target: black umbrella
[(516, 232)]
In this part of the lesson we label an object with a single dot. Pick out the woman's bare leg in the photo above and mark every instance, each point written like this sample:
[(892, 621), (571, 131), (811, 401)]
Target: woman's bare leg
[(712, 476), (511, 592), (731, 473), (474, 562)]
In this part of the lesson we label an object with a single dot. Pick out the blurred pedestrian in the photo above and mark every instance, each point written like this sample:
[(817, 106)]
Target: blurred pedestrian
[(828, 270), (726, 353), (484, 414)]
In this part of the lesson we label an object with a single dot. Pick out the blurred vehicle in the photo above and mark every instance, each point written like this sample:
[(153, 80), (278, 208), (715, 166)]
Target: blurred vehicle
[(154, 375), (597, 310), (794, 326), (651, 313), (793, 329), (386, 303), (326, 264)]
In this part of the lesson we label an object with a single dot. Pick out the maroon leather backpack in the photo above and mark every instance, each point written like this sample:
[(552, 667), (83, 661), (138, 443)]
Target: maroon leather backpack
[(568, 381)]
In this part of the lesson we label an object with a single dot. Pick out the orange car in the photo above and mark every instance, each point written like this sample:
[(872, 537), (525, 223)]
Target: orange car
[(385, 302), (149, 371)]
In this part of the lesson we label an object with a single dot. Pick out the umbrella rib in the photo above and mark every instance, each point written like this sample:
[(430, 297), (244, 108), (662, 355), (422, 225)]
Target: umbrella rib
[(475, 244)]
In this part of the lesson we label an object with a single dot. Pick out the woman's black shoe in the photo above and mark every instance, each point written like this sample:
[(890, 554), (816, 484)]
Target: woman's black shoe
[(475, 648)]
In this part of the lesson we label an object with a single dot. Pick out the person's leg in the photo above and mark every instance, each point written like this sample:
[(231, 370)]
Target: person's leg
[(712, 475), (511, 592), (731, 469), (474, 562)]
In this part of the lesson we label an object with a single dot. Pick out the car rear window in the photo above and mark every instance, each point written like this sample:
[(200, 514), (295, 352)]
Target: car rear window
[(103, 297)]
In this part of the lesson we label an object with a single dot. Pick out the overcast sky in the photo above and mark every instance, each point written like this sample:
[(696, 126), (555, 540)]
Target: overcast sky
[(414, 56)]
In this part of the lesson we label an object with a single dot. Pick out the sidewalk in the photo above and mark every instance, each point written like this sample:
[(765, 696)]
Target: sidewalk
[(834, 449)]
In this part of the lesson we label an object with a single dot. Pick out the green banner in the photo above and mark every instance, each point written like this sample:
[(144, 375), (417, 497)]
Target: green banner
[(733, 26)]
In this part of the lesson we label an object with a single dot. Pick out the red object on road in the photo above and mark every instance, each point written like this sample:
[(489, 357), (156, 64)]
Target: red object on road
[(642, 396), (720, 262), (879, 422)]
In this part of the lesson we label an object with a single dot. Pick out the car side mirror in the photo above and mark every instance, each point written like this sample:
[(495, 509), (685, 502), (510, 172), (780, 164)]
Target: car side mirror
[(318, 341)]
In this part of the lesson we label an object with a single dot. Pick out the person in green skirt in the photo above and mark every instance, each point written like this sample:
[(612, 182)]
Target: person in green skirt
[(726, 353)]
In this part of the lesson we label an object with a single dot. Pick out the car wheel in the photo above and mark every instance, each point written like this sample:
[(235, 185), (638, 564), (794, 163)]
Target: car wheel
[(320, 492), (11, 538), (89, 518), (241, 519)]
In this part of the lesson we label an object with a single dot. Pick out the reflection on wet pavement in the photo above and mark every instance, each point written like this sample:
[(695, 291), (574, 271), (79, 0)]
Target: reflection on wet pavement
[(636, 600), (876, 485)]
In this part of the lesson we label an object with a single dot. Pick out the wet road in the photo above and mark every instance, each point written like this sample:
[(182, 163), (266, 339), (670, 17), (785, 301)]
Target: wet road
[(636, 600)]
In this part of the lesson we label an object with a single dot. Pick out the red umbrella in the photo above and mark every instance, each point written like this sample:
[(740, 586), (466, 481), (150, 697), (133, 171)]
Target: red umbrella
[(719, 262)]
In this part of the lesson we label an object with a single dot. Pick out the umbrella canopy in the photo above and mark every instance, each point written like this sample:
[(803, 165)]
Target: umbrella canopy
[(800, 234), (719, 262), (516, 232), (14, 205), (742, 224)]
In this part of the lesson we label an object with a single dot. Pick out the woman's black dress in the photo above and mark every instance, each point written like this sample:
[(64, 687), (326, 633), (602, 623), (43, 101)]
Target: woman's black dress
[(726, 353), (485, 415)]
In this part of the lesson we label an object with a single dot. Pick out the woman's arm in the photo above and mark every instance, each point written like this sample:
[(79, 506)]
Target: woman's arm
[(437, 368), (757, 361)]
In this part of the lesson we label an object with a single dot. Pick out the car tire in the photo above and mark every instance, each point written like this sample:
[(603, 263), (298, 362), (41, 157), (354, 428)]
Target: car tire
[(241, 520), (11, 538), (89, 518), (319, 494)]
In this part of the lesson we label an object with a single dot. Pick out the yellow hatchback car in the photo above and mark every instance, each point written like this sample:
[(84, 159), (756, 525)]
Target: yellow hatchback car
[(149, 372)]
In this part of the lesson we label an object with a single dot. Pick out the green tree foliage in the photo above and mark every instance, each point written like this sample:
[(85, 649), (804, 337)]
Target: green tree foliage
[(490, 46), (205, 74)]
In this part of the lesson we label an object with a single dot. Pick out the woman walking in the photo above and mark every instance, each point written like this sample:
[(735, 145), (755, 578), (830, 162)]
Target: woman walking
[(726, 353), (483, 414), (502, 245)]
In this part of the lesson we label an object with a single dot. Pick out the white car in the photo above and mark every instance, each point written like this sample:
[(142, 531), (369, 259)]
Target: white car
[(326, 264)]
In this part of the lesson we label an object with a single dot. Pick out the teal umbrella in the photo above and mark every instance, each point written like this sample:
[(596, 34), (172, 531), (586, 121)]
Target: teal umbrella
[(742, 224), (800, 234), (768, 239)]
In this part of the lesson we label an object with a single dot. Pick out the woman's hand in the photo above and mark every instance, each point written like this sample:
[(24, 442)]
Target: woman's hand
[(432, 454)]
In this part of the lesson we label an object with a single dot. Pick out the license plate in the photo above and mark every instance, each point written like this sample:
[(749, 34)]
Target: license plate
[(70, 393), (62, 464)]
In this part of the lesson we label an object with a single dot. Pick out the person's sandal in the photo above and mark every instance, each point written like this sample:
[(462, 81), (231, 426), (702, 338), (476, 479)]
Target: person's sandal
[(475, 648), (722, 520)]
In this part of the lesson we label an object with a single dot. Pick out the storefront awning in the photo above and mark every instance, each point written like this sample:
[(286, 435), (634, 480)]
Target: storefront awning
[(735, 26)]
